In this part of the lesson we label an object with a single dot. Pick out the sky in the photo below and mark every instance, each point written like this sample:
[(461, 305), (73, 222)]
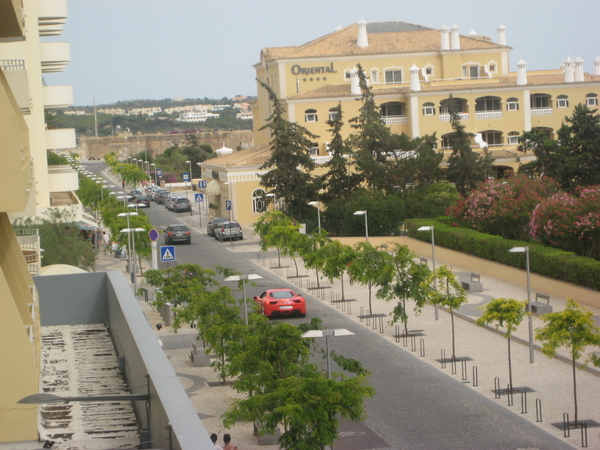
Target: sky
[(124, 50)]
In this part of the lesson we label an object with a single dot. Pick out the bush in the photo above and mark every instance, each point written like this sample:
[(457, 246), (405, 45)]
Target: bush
[(550, 262)]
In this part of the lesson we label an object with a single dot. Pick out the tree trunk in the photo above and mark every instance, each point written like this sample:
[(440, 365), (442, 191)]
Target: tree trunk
[(342, 280), (405, 320), (452, 318), (509, 367), (318, 282), (575, 389)]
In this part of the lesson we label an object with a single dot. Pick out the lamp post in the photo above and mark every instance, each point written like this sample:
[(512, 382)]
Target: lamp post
[(231, 203), (274, 197), (101, 189), (133, 272), (526, 251), (147, 168), (129, 252), (318, 205), (155, 180), (431, 228), (364, 213), (327, 333), (251, 276)]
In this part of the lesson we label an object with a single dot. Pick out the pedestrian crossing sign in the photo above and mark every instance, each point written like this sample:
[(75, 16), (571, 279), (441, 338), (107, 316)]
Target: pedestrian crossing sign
[(167, 253)]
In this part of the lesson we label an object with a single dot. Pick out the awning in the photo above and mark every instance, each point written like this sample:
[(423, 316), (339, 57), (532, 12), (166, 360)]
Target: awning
[(88, 225), (213, 188)]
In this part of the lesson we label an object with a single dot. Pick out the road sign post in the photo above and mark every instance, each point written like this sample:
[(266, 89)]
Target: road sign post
[(199, 199), (167, 253), (153, 235)]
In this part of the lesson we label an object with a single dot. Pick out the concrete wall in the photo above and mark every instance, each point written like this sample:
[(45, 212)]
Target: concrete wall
[(446, 256)]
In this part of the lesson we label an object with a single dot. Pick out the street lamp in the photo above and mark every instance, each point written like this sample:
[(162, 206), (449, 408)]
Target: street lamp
[(155, 181), (101, 189), (318, 205), (364, 213), (526, 251), (431, 228), (127, 214), (133, 231), (327, 333), (251, 276)]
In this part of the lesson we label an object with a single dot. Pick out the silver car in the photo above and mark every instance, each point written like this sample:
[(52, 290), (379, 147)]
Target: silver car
[(229, 230)]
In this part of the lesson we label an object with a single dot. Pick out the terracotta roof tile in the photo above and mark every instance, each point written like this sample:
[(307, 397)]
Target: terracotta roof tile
[(384, 38)]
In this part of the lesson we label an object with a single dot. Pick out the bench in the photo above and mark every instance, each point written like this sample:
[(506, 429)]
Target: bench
[(539, 308), (198, 357), (473, 285)]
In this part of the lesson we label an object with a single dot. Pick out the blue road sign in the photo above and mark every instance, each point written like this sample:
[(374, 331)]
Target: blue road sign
[(186, 176), (199, 197), (202, 184), (153, 234), (159, 172), (167, 253), (228, 205)]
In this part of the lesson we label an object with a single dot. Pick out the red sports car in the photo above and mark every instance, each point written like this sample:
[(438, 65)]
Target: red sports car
[(281, 302)]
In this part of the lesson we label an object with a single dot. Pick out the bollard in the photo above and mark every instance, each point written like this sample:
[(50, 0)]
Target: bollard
[(475, 376), (463, 370), (413, 343), (496, 388), (538, 410), (422, 346), (509, 392), (443, 358), (523, 402), (584, 440), (397, 333), (566, 430)]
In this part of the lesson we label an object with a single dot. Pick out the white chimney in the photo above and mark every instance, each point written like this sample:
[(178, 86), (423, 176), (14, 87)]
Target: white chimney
[(569, 70), (521, 73), (354, 83), (362, 40), (501, 34), (579, 76), (472, 33), (415, 84), (597, 66), (445, 36), (454, 37)]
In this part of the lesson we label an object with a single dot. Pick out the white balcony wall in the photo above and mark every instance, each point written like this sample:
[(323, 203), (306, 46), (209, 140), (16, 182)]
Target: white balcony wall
[(52, 15), (54, 56), (60, 138), (58, 96), (62, 178)]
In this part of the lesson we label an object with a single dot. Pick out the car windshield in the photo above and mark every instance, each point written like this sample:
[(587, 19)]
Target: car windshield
[(178, 228), (282, 294), (182, 200)]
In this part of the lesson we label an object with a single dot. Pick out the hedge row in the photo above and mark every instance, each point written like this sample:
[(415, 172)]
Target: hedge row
[(547, 261)]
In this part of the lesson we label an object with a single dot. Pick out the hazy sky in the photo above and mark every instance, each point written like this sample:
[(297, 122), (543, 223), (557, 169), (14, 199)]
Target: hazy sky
[(156, 49)]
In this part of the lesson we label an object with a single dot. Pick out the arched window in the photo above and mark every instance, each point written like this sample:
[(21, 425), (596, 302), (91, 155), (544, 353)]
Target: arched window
[(492, 137), (540, 101), (460, 104), (393, 109), (446, 141), (548, 132), (333, 113), (488, 103), (512, 104), (591, 100), (310, 115), (513, 137), (429, 109), (259, 204), (562, 101)]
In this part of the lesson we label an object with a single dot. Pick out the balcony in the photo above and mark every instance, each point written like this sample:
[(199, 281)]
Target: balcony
[(29, 241), (484, 115), (58, 96), (11, 20), (60, 138), (54, 56), (541, 111), (395, 120), (446, 117), (52, 15), (16, 77)]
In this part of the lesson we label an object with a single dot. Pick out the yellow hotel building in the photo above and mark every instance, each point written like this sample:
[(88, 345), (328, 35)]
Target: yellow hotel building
[(412, 71)]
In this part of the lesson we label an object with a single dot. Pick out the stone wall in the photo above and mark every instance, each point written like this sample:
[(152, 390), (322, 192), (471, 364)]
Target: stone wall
[(155, 144)]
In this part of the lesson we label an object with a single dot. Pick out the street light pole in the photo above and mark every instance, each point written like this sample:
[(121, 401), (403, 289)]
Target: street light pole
[(243, 278), (364, 213), (526, 251), (431, 228), (155, 180), (318, 205)]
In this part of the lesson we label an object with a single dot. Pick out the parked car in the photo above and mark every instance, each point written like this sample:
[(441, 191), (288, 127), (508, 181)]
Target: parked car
[(281, 302), (229, 230), (169, 201), (182, 204), (161, 197), (154, 195), (213, 223), (132, 194), (177, 233), (142, 201)]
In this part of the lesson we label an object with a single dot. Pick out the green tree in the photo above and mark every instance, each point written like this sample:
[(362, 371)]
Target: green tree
[(409, 282), (55, 159), (466, 168), (337, 257), (574, 158), (275, 229), (504, 312), (573, 328), (289, 165), (309, 251), (430, 201), (447, 293), (132, 174)]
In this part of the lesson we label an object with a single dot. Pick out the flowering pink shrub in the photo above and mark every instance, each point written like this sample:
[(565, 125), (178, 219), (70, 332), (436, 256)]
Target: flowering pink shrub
[(570, 221), (504, 207)]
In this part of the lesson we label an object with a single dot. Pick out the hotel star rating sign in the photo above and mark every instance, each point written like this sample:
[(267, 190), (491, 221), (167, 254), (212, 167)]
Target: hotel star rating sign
[(167, 253)]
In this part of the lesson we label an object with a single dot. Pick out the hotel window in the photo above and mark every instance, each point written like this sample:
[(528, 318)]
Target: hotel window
[(546, 132), (539, 101), (429, 71), (562, 101), (447, 141), (374, 76), (492, 137), (259, 204), (313, 151), (459, 105), (393, 76), (591, 100), (471, 71), (310, 115), (333, 113), (347, 74), (487, 104), (429, 109), (513, 137), (392, 109), (492, 67), (512, 104)]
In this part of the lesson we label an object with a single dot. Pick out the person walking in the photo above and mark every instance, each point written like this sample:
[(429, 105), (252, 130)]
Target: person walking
[(106, 242), (227, 440), (213, 438)]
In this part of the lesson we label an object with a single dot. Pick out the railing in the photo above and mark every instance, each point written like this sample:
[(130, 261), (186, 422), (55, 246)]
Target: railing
[(541, 111), (488, 115), (12, 64), (395, 120), (446, 117)]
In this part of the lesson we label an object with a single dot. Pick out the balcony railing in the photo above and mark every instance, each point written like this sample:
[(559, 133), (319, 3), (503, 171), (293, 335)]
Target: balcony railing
[(395, 120), (541, 111), (446, 117), (488, 115)]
